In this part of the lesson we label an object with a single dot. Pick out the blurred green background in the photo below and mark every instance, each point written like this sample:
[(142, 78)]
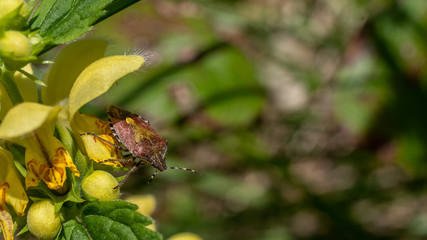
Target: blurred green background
[(306, 118)]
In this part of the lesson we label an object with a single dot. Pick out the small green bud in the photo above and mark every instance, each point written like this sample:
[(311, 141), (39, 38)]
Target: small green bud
[(35, 38), (15, 45), (42, 220), (101, 185)]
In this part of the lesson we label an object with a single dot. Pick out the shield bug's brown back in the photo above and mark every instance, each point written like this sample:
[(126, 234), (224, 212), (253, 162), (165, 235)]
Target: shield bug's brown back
[(138, 137)]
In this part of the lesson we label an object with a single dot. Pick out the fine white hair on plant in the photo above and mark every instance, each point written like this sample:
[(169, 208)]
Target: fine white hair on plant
[(149, 58), (137, 51), (147, 55)]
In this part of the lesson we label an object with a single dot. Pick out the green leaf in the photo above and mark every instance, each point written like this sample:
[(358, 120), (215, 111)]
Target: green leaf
[(115, 7), (72, 230), (23, 230), (104, 228), (116, 220), (63, 21), (83, 164)]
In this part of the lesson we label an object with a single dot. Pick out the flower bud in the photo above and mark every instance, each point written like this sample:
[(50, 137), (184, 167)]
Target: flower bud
[(146, 206), (15, 45), (101, 185), (185, 236), (146, 203), (42, 220)]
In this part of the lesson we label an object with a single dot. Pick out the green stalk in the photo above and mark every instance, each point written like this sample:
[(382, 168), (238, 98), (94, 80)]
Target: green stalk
[(11, 88), (66, 139)]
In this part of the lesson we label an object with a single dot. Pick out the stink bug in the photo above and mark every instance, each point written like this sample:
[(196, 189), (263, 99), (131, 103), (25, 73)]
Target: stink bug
[(140, 139)]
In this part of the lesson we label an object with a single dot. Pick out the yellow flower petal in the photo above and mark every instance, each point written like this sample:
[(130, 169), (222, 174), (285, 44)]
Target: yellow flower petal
[(84, 123), (11, 190), (146, 203), (6, 222), (99, 150), (25, 118), (185, 236), (5, 103), (96, 149), (46, 158), (8, 7), (98, 77), (26, 86), (69, 63), (152, 226)]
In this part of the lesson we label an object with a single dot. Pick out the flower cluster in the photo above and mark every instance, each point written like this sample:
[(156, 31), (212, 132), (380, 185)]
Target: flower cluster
[(80, 73), (48, 182)]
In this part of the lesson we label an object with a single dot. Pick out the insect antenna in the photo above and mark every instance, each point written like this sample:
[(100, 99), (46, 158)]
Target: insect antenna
[(179, 168), (185, 169)]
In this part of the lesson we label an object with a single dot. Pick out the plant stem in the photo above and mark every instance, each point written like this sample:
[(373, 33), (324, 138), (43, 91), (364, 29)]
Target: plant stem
[(11, 88)]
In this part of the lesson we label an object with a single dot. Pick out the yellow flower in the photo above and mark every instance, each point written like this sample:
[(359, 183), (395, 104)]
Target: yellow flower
[(26, 86), (32, 126), (146, 205), (96, 149), (11, 192), (79, 75), (9, 6), (185, 236)]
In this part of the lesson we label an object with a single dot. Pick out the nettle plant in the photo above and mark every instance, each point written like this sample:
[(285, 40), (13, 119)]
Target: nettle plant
[(48, 185)]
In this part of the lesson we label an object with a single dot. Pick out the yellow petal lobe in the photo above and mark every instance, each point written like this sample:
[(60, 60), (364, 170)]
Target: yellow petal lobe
[(25, 118), (69, 63), (98, 77), (96, 147), (47, 162), (6, 222), (89, 123), (99, 150), (5, 102), (26, 86), (11, 189)]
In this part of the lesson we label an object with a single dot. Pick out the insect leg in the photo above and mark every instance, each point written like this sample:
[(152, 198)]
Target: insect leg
[(132, 170), (152, 177), (126, 162), (106, 141)]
